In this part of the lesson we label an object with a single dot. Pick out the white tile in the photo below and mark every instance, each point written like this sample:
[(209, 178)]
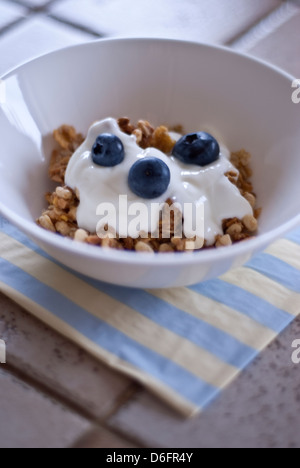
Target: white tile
[(281, 47), (267, 26), (259, 409), (276, 38), (34, 3), (10, 12), (100, 437), (34, 37), (62, 366), (205, 20), (30, 419)]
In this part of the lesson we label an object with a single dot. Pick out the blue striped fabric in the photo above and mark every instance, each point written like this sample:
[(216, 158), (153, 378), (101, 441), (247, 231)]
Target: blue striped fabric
[(294, 236), (258, 309), (186, 354), (277, 270), (108, 337)]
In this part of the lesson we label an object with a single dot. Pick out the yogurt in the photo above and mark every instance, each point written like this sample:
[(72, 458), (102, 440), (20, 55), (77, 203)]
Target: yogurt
[(189, 184)]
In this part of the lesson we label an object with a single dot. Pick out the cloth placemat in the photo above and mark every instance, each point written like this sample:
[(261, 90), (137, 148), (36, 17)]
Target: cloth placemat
[(184, 344)]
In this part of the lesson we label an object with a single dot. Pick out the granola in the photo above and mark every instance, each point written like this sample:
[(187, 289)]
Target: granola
[(60, 215)]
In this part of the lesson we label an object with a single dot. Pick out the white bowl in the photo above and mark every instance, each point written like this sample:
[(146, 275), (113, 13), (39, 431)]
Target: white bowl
[(246, 101)]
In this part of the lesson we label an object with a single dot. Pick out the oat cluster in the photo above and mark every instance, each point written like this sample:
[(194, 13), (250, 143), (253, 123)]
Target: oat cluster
[(60, 216)]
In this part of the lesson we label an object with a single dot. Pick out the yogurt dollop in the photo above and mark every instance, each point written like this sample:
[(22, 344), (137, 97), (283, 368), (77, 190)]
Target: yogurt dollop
[(188, 184)]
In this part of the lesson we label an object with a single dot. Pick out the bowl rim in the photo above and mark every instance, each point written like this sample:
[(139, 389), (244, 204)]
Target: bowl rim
[(145, 39), (130, 257)]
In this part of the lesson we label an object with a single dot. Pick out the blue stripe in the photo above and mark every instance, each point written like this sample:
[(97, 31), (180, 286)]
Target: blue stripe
[(294, 236), (213, 340), (180, 380), (237, 298), (14, 232), (277, 270), (220, 344)]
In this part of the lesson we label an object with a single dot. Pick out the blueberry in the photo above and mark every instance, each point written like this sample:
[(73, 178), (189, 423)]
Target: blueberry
[(149, 177), (108, 150), (197, 148)]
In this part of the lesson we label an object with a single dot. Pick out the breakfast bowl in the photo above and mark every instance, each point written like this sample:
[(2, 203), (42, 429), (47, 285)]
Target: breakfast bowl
[(245, 101)]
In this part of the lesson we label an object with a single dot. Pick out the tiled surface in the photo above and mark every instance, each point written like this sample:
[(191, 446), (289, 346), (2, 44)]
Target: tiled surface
[(10, 12), (58, 395), (100, 437), (36, 3), (73, 374), (266, 26), (276, 39), (30, 419), (36, 36), (260, 409), (205, 20), (282, 46)]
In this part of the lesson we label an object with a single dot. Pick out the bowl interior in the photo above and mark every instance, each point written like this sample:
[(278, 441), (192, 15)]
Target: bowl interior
[(243, 102)]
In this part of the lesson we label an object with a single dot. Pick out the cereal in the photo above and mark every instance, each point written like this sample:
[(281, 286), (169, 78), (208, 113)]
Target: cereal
[(65, 136), (68, 141), (234, 229), (178, 243), (166, 248), (143, 247), (161, 140), (250, 197), (46, 223), (72, 214), (93, 239), (128, 243), (223, 241), (63, 228), (143, 132), (64, 193), (250, 223), (241, 160), (110, 243), (126, 126), (81, 235), (60, 216)]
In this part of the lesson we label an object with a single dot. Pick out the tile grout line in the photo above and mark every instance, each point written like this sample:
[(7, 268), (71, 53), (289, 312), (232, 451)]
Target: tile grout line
[(78, 27), (12, 25), (239, 37), (44, 390), (56, 396), (34, 12), (86, 435), (38, 8), (44, 9), (130, 392), (114, 431), (96, 424)]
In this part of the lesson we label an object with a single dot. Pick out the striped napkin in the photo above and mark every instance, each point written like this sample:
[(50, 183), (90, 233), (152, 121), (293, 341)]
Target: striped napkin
[(184, 344)]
